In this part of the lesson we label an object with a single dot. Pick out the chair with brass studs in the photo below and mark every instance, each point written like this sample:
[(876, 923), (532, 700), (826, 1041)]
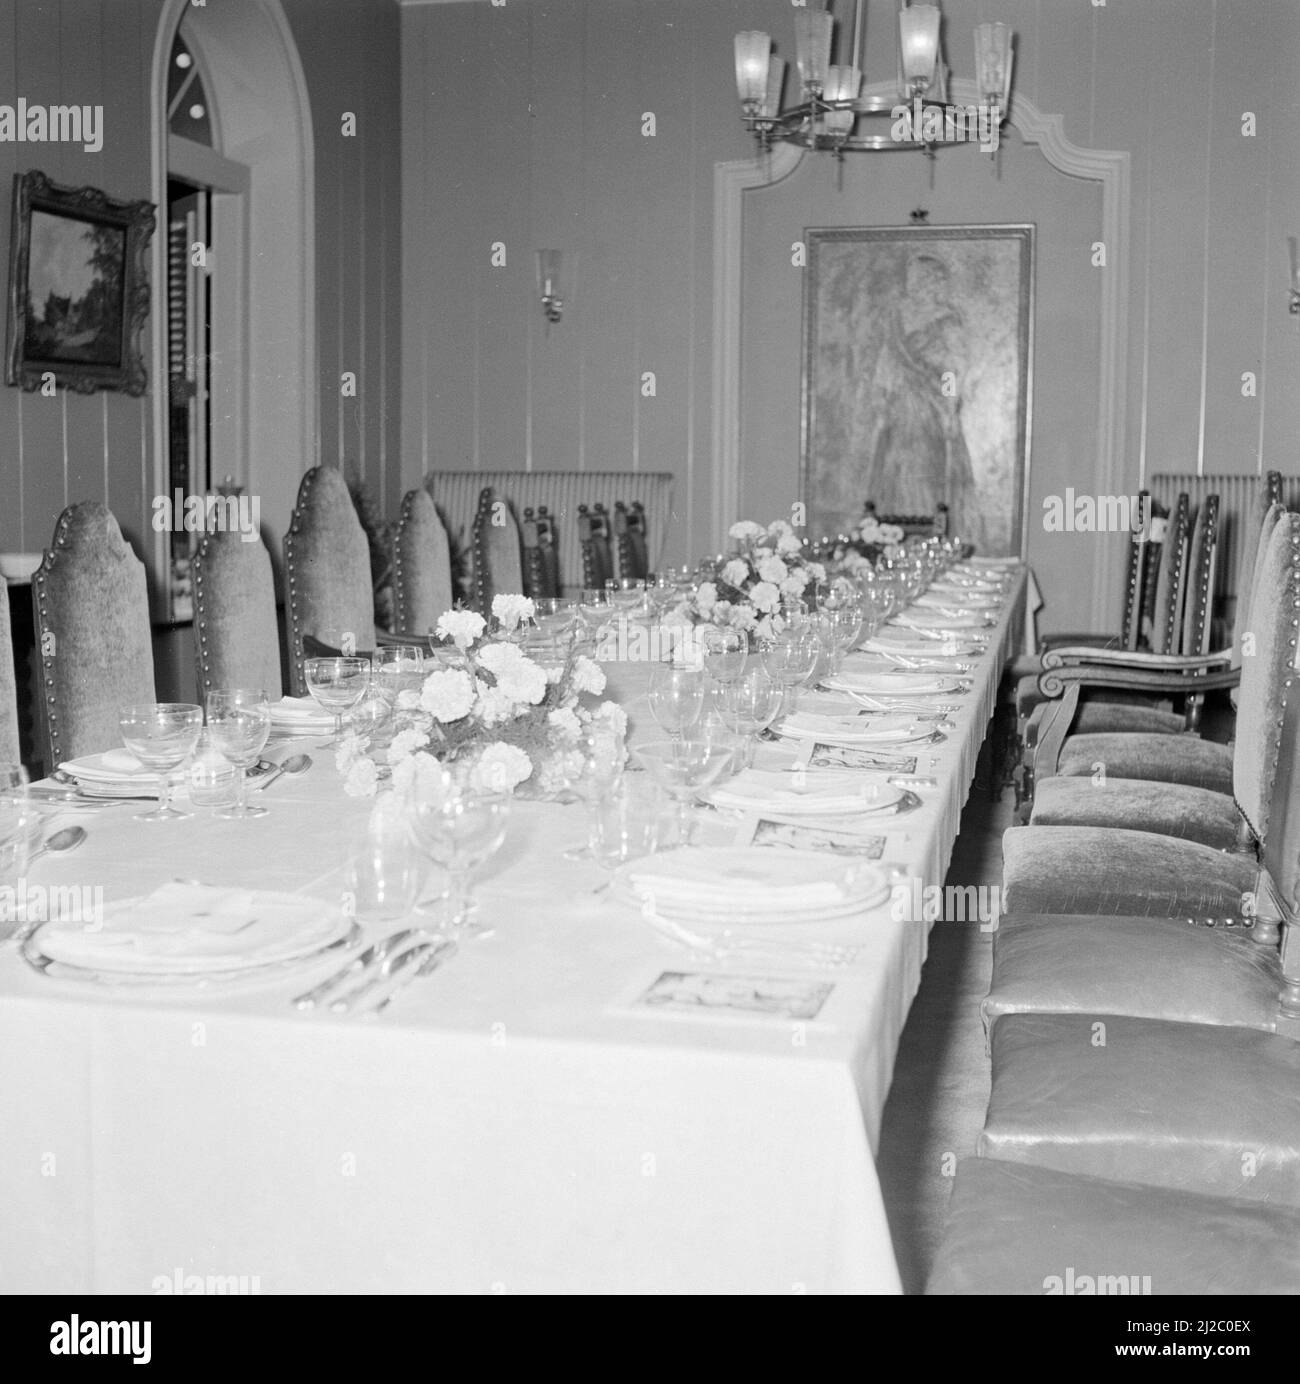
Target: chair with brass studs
[(236, 633), (93, 632), (422, 588), (9, 750), (541, 569), (594, 539), (629, 532), (496, 554), (329, 595)]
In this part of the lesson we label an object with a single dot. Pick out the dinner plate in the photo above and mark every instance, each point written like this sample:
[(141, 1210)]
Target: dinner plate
[(724, 886), (300, 713), (191, 931), (936, 620), (764, 790), (900, 684), (845, 730)]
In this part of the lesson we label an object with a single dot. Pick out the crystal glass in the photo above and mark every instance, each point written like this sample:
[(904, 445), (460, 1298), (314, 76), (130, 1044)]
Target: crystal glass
[(626, 594), (211, 774), (239, 722), (397, 668), (17, 823), (627, 822), (162, 736), (600, 756), (676, 696), (337, 684), (594, 611), (459, 829), (790, 658), (384, 873), (661, 592), (749, 706), (725, 652), (684, 768)]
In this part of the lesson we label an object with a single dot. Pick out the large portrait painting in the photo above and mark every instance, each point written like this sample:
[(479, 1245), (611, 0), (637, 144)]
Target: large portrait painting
[(78, 289), (917, 378)]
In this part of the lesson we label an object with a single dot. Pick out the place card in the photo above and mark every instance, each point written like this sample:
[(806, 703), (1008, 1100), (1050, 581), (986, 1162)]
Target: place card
[(714, 995), (840, 835), (816, 755)]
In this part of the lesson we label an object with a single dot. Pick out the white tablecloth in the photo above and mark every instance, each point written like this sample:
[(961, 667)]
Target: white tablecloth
[(507, 1125)]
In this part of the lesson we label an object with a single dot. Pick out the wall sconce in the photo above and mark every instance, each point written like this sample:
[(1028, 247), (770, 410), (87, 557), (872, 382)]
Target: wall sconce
[(1295, 275), (549, 264)]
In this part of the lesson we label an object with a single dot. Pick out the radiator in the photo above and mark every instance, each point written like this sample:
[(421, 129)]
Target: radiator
[(1236, 497), (456, 495)]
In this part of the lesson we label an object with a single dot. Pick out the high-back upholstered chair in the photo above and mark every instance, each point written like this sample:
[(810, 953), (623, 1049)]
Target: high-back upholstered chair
[(9, 752), (421, 566), (326, 570), (497, 551), (236, 635), (93, 631)]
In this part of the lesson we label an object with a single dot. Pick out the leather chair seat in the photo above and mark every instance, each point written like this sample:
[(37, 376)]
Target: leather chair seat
[(1190, 1106), (1095, 870), (1161, 758), (1169, 809), (1151, 968), (1016, 1229)]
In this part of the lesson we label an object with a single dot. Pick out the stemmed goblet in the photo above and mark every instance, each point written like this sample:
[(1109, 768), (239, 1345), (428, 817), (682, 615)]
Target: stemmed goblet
[(684, 768), (337, 684), (239, 723), (459, 828), (162, 736), (749, 706), (676, 696)]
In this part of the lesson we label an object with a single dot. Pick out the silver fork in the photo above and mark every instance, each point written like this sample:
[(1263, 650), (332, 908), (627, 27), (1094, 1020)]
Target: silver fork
[(376, 952), (431, 949)]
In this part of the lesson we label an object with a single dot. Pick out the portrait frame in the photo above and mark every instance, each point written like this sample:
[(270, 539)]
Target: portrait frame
[(917, 378), (78, 287)]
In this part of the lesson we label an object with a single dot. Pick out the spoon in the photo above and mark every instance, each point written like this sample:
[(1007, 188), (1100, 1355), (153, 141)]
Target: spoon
[(295, 764), (68, 839)]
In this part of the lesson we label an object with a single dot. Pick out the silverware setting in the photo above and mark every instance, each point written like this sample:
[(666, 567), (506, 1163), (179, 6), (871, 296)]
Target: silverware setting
[(376, 952), (392, 958), (294, 765)]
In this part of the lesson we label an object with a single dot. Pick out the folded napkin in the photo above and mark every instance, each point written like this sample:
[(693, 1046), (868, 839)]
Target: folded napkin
[(832, 794), (933, 620), (957, 600), (736, 879), (113, 766), (909, 648), (193, 929), (300, 711), (874, 682), (850, 730)]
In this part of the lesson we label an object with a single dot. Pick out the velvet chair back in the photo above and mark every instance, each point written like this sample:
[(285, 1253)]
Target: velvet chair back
[(421, 566), (1169, 580), (497, 551), (1268, 673), (93, 633), (1199, 582), (9, 752), (328, 592), (236, 636)]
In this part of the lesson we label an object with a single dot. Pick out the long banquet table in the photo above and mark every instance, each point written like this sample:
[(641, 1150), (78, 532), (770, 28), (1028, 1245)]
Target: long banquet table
[(508, 1124)]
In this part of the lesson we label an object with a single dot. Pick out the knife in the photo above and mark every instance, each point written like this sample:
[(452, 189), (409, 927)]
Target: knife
[(377, 951)]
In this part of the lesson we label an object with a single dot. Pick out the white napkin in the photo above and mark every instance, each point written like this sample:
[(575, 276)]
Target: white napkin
[(957, 600), (873, 682), (187, 929), (764, 790), (735, 879), (300, 711), (113, 766), (933, 620), (850, 730)]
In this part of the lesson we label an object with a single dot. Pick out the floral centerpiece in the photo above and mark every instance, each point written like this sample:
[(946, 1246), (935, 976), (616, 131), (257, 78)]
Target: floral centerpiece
[(767, 569), (867, 544), (503, 718)]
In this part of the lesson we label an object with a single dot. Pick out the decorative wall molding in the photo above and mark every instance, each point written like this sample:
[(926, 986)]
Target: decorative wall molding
[(1109, 167)]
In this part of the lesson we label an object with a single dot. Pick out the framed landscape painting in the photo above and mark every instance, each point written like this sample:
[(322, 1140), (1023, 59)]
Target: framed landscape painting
[(917, 378), (78, 288)]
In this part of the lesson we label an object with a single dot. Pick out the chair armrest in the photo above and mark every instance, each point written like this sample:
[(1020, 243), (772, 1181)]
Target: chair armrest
[(1098, 641), (1144, 662), (1053, 681)]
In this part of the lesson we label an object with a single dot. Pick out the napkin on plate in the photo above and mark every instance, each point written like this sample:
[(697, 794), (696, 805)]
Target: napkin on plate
[(300, 711), (733, 879), (113, 766), (189, 929), (765, 790), (846, 730)]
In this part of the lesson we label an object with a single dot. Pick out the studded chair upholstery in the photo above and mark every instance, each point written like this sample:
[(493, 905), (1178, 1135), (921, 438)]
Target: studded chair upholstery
[(236, 634), (496, 557), (1091, 869), (9, 751), (326, 570), (541, 559), (421, 566), (93, 632), (594, 538)]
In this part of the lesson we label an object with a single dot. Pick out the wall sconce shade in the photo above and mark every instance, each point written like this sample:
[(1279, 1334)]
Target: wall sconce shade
[(993, 59), (812, 46), (918, 45), (753, 59), (549, 266)]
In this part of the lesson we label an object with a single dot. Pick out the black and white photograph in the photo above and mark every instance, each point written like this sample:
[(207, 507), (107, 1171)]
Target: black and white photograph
[(649, 650)]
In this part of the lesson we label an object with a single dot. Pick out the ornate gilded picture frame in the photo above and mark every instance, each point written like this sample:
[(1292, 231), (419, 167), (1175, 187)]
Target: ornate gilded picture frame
[(78, 287), (917, 378)]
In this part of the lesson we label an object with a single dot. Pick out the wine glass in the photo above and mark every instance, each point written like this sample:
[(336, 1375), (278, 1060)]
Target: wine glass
[(684, 768), (597, 759), (239, 722), (459, 828), (626, 594), (337, 684), (791, 658), (16, 825), (162, 736), (676, 696), (749, 706), (725, 652), (594, 610)]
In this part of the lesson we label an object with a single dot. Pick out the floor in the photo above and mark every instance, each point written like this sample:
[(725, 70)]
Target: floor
[(941, 1079)]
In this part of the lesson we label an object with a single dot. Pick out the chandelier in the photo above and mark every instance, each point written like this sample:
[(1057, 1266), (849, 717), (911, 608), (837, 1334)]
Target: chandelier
[(832, 114)]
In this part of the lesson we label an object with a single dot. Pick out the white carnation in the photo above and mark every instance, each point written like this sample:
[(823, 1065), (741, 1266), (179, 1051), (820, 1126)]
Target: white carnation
[(448, 695), (405, 743), (747, 529), (788, 543), (773, 569), (510, 611), (500, 768), (362, 779), (588, 676), (462, 627), (565, 721), (765, 597)]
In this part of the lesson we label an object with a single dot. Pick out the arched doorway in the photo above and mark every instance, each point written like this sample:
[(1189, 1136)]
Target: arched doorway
[(263, 326)]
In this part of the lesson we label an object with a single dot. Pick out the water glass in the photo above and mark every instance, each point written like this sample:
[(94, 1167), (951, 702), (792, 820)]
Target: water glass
[(384, 874), (239, 723), (17, 823), (459, 829), (628, 821), (397, 668), (337, 684), (749, 706), (162, 736), (676, 696), (725, 652)]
